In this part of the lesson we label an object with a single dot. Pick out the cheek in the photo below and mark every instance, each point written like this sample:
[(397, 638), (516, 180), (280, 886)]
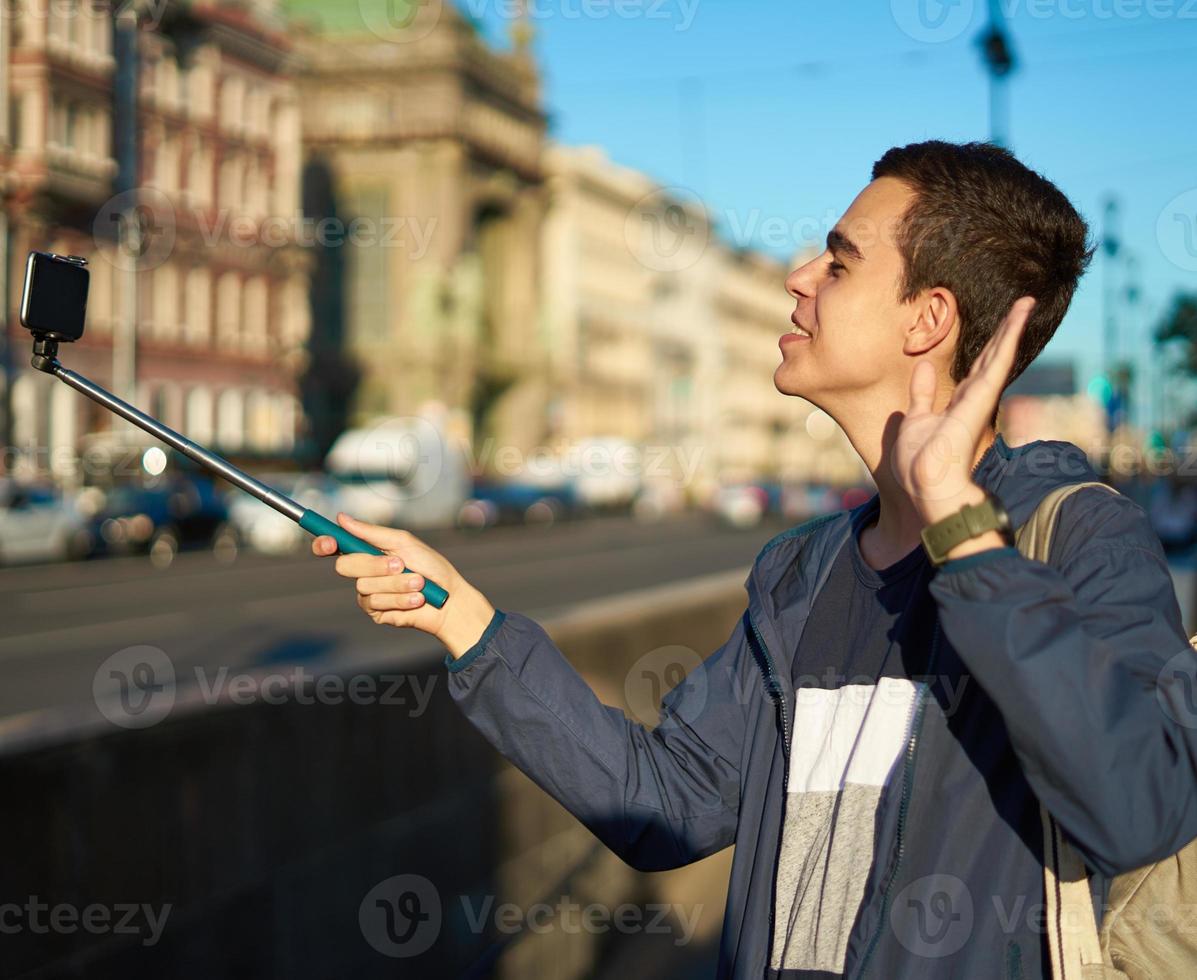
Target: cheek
[(849, 325)]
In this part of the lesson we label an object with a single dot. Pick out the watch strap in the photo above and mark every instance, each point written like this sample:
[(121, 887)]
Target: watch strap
[(970, 521)]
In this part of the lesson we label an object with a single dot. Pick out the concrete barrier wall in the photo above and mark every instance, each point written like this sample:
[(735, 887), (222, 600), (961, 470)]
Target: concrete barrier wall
[(274, 840)]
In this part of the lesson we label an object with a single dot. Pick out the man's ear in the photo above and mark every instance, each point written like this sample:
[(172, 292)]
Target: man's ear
[(935, 317)]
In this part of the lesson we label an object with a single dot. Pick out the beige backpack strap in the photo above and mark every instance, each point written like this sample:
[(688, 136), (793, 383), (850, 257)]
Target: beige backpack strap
[(1034, 537), (1071, 927)]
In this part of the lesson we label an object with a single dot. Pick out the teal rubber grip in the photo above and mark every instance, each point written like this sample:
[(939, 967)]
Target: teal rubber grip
[(350, 544)]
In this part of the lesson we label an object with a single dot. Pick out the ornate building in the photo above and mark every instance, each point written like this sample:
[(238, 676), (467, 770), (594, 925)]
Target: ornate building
[(198, 303), (432, 143)]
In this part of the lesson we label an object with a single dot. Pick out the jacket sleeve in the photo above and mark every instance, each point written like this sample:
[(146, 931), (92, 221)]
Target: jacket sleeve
[(1087, 661), (658, 798)]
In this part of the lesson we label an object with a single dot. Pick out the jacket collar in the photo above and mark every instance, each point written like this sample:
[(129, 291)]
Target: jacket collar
[(793, 566)]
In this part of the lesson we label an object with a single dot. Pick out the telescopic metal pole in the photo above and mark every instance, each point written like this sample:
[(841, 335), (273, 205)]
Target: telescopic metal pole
[(45, 360)]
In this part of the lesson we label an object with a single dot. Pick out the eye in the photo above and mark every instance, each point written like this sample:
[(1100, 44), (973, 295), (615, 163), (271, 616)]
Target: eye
[(834, 267)]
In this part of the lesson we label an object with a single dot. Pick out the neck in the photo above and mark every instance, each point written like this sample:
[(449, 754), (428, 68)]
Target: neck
[(898, 528)]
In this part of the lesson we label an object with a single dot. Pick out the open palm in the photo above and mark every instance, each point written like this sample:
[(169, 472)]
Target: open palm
[(934, 451)]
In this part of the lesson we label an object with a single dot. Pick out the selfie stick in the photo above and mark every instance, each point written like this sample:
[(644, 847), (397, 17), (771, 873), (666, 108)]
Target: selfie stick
[(45, 358)]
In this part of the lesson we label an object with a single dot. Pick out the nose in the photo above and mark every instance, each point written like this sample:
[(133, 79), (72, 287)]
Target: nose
[(803, 281)]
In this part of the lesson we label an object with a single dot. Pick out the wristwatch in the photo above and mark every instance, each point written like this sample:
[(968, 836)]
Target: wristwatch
[(970, 521)]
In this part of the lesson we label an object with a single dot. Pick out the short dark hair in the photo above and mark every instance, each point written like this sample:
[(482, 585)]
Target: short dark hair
[(990, 229)]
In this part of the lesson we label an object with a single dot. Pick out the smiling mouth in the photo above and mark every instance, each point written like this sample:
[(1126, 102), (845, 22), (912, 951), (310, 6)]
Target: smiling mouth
[(798, 329)]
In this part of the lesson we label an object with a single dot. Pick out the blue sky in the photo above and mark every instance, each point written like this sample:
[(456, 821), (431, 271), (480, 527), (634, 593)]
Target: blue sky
[(774, 111)]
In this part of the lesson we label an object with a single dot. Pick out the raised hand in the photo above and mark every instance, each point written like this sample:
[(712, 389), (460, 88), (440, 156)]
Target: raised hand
[(934, 452)]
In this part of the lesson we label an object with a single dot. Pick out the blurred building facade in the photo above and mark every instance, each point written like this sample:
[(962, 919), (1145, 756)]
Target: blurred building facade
[(763, 433), (198, 302), (433, 142), (662, 334), (542, 295)]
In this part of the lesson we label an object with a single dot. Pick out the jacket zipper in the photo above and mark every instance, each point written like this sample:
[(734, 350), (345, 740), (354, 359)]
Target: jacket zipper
[(918, 709), (773, 686)]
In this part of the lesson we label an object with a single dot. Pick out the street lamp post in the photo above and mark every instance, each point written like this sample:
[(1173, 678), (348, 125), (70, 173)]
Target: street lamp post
[(998, 55), (124, 338), (1110, 248)]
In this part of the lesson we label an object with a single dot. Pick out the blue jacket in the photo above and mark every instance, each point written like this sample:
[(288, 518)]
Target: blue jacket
[(1059, 665)]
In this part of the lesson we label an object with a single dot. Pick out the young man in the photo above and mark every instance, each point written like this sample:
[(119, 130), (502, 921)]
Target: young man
[(882, 724)]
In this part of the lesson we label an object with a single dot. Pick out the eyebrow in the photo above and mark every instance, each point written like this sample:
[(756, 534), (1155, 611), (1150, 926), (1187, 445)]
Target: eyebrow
[(837, 241)]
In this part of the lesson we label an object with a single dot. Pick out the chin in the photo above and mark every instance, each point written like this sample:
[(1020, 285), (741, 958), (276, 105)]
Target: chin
[(784, 382)]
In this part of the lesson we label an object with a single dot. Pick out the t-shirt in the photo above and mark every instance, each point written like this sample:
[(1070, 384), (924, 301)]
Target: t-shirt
[(854, 705)]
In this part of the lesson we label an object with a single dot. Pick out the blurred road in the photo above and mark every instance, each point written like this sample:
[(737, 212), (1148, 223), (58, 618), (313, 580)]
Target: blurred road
[(60, 622)]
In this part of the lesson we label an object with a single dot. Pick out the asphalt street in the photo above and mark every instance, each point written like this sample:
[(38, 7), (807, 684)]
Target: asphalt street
[(61, 622)]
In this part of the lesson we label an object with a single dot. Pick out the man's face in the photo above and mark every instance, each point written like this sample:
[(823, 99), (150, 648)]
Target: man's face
[(848, 300)]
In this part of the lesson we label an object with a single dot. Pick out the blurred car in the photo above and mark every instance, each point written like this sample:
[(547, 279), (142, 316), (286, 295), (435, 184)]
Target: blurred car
[(264, 529), (161, 519), (608, 473), (741, 505), (802, 501), (37, 523), (657, 500), (496, 501), (774, 492)]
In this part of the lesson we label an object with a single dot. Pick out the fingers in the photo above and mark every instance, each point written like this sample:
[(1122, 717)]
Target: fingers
[(357, 566), (371, 585), (386, 538), (390, 602), (922, 389), (977, 396), (1000, 351)]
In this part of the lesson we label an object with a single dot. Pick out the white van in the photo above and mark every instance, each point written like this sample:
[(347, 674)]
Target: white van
[(403, 472)]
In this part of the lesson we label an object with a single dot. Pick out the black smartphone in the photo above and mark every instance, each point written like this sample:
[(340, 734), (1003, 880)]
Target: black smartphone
[(54, 301)]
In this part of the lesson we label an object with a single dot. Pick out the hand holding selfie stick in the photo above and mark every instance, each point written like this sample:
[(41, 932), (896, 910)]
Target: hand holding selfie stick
[(56, 293)]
